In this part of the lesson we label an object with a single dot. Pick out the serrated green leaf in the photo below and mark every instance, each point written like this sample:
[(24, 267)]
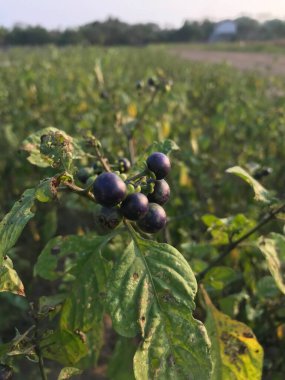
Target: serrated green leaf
[(273, 249), (266, 288), (236, 353), (151, 292), (68, 372), (83, 308), (65, 347), (9, 279), (260, 193), (14, 222)]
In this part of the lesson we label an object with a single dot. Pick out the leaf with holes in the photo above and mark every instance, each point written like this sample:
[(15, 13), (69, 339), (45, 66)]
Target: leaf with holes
[(14, 222), (273, 249), (236, 353), (83, 308), (9, 279), (151, 292)]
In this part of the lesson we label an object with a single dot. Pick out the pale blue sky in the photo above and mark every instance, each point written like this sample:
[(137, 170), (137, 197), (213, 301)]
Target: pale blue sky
[(62, 13)]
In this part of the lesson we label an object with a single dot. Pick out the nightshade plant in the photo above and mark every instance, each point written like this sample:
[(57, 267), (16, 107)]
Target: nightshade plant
[(146, 287)]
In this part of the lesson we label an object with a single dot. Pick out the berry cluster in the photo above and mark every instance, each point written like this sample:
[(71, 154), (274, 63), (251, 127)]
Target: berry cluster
[(141, 206)]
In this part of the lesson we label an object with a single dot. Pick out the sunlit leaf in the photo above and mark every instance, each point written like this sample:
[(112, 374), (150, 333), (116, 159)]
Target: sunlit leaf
[(9, 279), (14, 222), (260, 193), (236, 353), (273, 249), (68, 372), (151, 292)]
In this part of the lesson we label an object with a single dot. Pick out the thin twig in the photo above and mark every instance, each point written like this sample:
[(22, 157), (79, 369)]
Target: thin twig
[(71, 187), (37, 343), (102, 159), (139, 121), (227, 250)]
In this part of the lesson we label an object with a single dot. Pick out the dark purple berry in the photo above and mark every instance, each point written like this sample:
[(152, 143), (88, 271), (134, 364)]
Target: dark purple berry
[(107, 219), (83, 174), (151, 82), (159, 164), (135, 206), (109, 189), (124, 165), (161, 192), (154, 220)]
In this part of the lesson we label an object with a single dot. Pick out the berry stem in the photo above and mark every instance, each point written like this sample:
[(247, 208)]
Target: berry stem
[(102, 159), (137, 176), (71, 187), (227, 250)]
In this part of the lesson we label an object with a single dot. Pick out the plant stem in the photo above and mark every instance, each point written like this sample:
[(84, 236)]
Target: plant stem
[(69, 186), (227, 250), (102, 159), (140, 119), (137, 176)]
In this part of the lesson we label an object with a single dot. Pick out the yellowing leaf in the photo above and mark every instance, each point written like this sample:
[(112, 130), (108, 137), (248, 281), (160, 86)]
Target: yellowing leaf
[(165, 128), (236, 353), (184, 179), (9, 279), (132, 110)]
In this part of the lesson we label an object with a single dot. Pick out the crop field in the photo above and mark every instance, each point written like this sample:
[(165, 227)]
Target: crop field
[(223, 129)]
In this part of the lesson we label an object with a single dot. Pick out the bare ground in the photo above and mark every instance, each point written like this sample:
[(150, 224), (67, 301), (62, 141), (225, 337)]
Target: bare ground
[(268, 63)]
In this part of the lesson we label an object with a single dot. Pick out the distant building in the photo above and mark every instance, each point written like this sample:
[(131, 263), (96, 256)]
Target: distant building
[(224, 31)]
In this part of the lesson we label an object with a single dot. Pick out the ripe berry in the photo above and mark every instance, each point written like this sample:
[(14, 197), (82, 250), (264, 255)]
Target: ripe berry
[(154, 220), (107, 219), (151, 82), (161, 192), (159, 164), (109, 189), (135, 206), (124, 165), (83, 174)]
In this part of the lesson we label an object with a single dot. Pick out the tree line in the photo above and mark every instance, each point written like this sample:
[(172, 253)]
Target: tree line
[(115, 32)]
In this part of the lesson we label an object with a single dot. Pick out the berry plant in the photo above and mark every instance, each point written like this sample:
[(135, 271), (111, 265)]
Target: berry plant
[(131, 254)]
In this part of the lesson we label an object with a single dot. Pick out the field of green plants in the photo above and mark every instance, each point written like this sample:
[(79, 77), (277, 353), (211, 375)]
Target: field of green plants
[(68, 305)]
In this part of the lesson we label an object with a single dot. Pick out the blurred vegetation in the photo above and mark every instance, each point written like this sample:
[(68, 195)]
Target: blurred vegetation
[(115, 32)]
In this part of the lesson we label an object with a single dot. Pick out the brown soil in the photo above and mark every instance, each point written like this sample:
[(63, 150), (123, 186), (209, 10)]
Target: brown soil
[(269, 63)]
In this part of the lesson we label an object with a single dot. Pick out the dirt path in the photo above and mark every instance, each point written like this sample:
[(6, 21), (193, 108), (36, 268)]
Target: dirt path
[(270, 63)]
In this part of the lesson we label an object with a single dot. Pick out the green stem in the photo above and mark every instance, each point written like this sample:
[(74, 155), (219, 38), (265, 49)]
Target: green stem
[(227, 250)]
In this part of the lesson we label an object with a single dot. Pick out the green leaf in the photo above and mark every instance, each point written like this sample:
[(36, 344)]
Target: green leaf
[(9, 279), (53, 152), (273, 249), (260, 193), (121, 363), (151, 292), (266, 288), (84, 306), (14, 222), (46, 191), (219, 277), (236, 353), (68, 372), (65, 347)]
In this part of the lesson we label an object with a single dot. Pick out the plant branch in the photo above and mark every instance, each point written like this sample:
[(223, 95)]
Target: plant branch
[(37, 344), (102, 159), (71, 187), (227, 250), (139, 121)]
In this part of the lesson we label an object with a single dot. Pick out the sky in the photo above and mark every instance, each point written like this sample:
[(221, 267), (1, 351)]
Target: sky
[(72, 13)]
